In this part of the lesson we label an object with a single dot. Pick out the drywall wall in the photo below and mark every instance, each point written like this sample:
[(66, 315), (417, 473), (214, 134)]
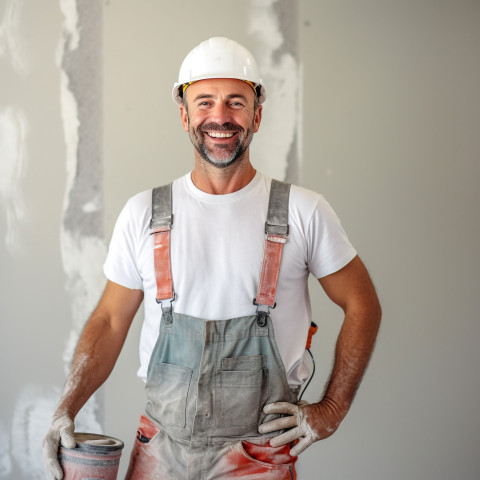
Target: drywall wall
[(387, 131)]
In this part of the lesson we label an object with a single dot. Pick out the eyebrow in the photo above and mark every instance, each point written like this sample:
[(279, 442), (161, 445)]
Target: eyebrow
[(229, 97)]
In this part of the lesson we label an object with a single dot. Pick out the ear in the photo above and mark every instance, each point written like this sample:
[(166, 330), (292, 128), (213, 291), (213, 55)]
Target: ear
[(184, 116), (258, 119)]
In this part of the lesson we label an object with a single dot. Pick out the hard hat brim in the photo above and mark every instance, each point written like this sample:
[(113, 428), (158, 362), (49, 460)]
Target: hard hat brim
[(177, 93)]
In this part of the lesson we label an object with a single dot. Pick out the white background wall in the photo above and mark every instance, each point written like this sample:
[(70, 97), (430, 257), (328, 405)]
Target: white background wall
[(390, 121)]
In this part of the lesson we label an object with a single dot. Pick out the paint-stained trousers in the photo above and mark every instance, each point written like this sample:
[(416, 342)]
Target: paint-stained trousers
[(165, 458), (207, 384)]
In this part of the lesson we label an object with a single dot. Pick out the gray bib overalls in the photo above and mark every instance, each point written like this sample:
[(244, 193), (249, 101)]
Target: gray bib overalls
[(208, 381)]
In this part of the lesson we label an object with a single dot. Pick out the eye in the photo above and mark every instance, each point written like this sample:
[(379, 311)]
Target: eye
[(203, 104), (237, 104)]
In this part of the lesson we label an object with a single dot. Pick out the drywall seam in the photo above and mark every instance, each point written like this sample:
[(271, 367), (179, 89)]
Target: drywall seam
[(274, 26), (82, 246)]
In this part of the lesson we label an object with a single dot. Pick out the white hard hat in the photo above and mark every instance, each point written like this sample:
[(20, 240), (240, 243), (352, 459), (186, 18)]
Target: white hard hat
[(219, 57)]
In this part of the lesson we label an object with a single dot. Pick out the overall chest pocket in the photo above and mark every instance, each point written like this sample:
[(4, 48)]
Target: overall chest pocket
[(167, 392), (241, 387)]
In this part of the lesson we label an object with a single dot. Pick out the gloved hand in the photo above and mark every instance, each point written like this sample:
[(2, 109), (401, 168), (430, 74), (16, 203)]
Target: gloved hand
[(306, 422), (62, 429)]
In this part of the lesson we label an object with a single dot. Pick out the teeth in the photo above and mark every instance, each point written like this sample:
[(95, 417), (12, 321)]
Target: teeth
[(220, 134)]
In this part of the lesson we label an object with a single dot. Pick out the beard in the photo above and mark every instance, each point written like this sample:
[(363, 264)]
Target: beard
[(221, 155)]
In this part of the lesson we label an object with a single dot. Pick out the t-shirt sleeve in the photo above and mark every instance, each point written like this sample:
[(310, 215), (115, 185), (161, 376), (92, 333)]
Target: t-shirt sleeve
[(329, 247), (121, 263)]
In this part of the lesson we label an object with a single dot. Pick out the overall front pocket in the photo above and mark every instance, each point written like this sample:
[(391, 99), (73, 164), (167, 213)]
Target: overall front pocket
[(167, 392), (240, 389)]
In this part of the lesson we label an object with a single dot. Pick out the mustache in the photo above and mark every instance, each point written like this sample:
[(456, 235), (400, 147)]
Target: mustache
[(225, 127)]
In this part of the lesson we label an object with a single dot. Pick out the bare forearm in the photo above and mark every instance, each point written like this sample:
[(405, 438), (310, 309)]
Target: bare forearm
[(97, 351), (99, 346), (354, 347), (352, 289)]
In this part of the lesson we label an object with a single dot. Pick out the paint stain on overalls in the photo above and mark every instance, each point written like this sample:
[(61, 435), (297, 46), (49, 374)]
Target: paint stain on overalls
[(207, 383)]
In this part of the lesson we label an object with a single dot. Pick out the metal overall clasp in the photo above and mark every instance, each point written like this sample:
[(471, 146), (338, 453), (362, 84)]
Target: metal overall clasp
[(262, 314)]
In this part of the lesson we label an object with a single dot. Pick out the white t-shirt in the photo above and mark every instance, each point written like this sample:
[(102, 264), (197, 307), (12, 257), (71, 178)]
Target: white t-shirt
[(217, 246)]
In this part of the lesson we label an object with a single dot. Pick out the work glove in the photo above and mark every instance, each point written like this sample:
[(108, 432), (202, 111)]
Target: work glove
[(61, 430), (305, 422)]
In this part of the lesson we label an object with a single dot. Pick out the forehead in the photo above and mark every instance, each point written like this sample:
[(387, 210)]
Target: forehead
[(220, 87)]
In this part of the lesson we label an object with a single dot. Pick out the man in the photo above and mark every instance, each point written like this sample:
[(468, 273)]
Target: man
[(221, 259)]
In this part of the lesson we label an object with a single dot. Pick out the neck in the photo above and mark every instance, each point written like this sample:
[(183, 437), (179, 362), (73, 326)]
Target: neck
[(220, 181)]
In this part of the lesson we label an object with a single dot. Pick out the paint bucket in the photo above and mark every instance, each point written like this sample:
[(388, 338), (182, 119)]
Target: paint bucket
[(95, 457)]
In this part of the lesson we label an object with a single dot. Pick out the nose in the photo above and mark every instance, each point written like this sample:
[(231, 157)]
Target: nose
[(220, 113)]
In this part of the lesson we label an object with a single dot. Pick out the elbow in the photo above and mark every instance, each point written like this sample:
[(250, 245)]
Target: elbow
[(378, 311), (376, 314)]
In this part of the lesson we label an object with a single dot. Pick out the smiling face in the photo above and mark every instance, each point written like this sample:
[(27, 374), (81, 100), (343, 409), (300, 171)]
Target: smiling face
[(221, 118)]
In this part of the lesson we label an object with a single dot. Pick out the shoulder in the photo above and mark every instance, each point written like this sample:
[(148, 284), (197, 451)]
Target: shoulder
[(303, 202), (137, 209), (307, 202), (304, 196), (142, 201)]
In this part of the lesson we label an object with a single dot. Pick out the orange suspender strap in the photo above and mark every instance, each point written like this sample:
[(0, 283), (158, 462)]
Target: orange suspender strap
[(161, 223), (276, 229), (161, 258), (272, 255)]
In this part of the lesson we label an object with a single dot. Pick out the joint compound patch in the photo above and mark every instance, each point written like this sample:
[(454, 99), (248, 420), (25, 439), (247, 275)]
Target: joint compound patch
[(11, 42), (13, 160), (274, 26)]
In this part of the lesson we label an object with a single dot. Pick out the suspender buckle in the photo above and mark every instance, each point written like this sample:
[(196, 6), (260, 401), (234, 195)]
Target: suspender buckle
[(275, 229), (167, 309)]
